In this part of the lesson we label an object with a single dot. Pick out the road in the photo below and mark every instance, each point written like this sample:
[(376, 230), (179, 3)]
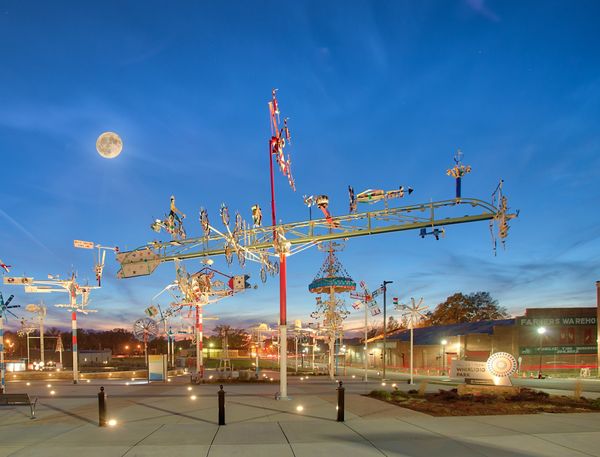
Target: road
[(559, 386)]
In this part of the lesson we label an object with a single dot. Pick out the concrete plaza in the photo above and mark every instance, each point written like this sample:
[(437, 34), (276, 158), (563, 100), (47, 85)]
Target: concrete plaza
[(163, 420)]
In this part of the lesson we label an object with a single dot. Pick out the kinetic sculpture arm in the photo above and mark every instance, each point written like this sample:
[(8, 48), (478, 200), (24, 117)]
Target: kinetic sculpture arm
[(296, 236)]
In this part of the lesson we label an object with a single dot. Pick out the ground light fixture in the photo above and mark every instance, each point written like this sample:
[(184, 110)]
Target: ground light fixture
[(299, 408), (112, 422), (193, 397), (189, 388)]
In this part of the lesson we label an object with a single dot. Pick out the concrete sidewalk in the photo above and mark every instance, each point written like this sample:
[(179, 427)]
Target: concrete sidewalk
[(163, 420)]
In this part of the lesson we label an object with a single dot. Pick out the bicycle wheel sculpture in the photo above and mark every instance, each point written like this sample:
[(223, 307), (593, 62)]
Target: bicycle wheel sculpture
[(145, 329)]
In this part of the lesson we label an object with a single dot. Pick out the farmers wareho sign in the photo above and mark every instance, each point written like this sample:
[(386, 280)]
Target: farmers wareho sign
[(556, 321)]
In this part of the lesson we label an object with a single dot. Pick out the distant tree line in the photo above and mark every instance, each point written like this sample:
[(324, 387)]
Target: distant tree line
[(119, 341), (457, 308)]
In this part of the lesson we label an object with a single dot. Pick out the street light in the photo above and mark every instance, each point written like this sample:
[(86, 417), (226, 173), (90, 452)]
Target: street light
[(444, 343), (541, 331)]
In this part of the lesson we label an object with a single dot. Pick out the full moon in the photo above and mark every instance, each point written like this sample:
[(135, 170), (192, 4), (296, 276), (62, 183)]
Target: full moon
[(109, 145)]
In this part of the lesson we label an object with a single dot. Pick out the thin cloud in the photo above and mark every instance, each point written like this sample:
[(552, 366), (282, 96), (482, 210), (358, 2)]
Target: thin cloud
[(26, 232), (479, 7)]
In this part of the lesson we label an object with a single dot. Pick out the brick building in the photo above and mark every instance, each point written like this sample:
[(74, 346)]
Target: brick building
[(568, 342)]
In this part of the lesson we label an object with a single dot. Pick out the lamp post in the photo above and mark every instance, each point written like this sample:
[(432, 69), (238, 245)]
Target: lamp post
[(444, 343), (384, 285), (541, 331)]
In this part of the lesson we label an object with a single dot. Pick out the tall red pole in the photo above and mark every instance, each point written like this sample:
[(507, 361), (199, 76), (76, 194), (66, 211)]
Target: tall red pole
[(282, 265)]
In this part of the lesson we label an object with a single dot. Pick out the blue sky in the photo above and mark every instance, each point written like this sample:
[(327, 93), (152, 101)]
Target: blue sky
[(378, 94)]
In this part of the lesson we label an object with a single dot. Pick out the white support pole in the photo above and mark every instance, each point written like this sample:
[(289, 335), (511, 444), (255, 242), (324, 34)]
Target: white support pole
[(341, 349), (74, 343), (366, 348), (27, 333), (168, 350), (2, 367), (283, 361), (146, 355), (331, 306), (313, 352), (256, 362), (411, 353), (42, 352), (296, 339), (173, 342)]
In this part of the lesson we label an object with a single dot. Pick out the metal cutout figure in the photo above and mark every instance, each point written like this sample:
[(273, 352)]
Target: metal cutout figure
[(172, 224)]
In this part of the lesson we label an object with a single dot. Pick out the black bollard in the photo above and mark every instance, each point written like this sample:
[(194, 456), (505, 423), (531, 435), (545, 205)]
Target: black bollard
[(101, 408), (340, 403), (221, 395)]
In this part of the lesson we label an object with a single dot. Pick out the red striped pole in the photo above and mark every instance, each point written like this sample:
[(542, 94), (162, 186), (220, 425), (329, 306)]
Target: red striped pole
[(74, 342), (199, 346)]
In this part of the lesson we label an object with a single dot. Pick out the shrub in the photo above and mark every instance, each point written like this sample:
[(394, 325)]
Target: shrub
[(448, 395), (381, 394), (399, 395), (529, 395)]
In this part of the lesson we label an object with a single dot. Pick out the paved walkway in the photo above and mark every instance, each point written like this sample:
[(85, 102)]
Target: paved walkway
[(163, 420)]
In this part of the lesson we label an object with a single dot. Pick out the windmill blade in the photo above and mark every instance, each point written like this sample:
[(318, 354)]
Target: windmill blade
[(86, 311), (9, 300), (173, 285)]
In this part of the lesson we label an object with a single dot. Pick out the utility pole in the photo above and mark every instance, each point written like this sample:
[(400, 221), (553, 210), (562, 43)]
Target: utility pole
[(384, 286), (598, 326)]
